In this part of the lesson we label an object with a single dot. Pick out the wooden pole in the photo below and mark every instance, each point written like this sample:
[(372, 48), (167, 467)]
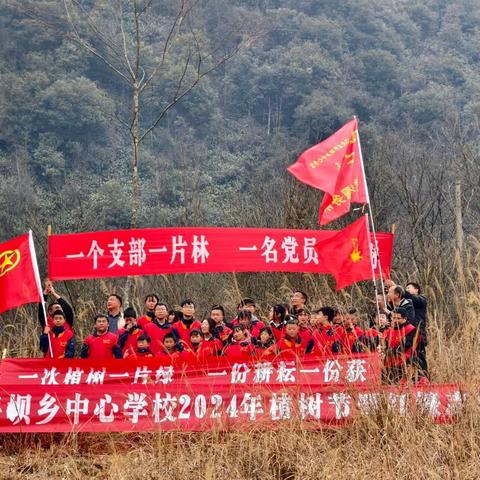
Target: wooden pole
[(458, 216)]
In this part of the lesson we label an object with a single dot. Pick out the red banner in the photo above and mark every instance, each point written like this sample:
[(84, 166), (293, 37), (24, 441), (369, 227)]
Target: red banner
[(193, 250), (77, 395)]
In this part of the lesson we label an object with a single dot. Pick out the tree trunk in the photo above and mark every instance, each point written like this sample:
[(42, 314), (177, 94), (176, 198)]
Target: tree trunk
[(135, 130)]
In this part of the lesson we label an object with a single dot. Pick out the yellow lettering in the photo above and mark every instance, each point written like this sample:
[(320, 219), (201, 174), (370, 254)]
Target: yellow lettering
[(349, 189)]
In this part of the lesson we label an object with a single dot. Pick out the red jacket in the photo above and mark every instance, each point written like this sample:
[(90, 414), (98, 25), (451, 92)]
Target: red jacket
[(223, 332), (63, 344), (209, 348), (266, 354), (351, 339), (242, 349), (328, 341), (128, 340), (157, 333), (101, 347), (292, 347), (143, 320), (277, 331), (182, 330), (401, 344), (306, 334)]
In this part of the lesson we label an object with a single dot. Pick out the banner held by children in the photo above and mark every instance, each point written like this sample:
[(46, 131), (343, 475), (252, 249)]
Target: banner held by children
[(77, 395)]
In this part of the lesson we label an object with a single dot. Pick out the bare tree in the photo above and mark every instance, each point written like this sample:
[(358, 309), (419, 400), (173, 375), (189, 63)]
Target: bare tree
[(145, 45)]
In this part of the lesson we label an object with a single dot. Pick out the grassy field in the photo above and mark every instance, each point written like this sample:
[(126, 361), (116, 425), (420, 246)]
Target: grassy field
[(386, 446)]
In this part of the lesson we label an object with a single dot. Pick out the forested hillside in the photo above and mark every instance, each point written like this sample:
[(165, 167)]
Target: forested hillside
[(408, 70)]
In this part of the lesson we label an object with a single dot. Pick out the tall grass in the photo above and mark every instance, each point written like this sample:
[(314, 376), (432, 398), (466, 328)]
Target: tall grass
[(380, 447)]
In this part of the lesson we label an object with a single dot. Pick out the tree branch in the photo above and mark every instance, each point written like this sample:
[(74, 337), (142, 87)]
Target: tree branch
[(89, 48), (124, 40)]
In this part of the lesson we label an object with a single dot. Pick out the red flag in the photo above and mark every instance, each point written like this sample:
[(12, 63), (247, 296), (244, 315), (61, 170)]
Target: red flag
[(334, 166), (347, 254), (19, 278)]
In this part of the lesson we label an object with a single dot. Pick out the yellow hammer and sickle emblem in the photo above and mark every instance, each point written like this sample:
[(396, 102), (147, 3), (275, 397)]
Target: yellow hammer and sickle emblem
[(8, 261), (356, 254)]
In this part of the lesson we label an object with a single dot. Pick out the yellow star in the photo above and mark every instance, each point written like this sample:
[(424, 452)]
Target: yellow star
[(356, 256)]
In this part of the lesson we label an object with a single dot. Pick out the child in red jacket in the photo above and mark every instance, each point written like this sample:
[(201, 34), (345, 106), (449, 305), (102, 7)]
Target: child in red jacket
[(143, 348), (128, 335), (401, 342), (172, 349), (292, 342), (240, 345), (62, 340), (327, 338), (266, 348)]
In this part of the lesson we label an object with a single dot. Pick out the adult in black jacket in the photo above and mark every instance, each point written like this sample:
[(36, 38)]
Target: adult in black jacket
[(419, 302), (396, 299), (413, 292), (58, 303)]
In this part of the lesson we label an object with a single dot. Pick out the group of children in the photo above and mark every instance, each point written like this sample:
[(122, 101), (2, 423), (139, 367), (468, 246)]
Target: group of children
[(292, 330)]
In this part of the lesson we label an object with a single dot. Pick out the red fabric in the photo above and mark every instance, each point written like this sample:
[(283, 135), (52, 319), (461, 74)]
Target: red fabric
[(101, 347), (324, 338), (143, 321), (237, 350), (225, 333), (136, 354), (59, 343), (131, 343), (295, 347), (394, 338), (349, 338), (266, 354), (44, 396), (209, 348), (19, 283), (183, 331), (334, 166), (88, 255), (157, 335), (347, 255), (278, 332), (306, 334)]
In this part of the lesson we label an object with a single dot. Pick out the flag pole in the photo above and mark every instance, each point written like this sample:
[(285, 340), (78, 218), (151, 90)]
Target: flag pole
[(370, 215), (33, 256)]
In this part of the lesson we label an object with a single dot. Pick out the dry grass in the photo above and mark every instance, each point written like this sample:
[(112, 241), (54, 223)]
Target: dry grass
[(383, 447)]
